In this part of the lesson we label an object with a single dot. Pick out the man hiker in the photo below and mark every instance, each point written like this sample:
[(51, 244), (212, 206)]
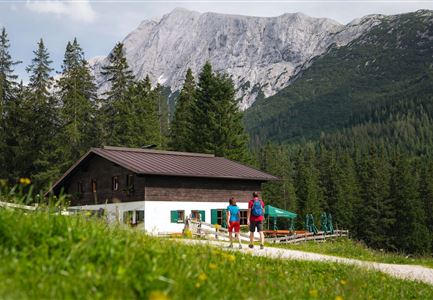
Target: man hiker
[(256, 209), (233, 219)]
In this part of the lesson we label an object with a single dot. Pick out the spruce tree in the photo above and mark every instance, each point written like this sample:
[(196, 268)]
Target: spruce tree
[(426, 191), (217, 123), (180, 129), (7, 97), (119, 76), (77, 93), (42, 118), (410, 232), (377, 212)]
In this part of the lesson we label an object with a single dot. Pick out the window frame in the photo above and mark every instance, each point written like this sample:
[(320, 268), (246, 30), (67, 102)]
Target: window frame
[(115, 183)]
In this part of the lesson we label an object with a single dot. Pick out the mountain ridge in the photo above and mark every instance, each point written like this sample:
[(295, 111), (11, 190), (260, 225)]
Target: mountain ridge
[(261, 54)]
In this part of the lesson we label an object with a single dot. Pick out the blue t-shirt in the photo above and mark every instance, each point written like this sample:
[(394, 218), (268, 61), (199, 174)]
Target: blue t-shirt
[(234, 213)]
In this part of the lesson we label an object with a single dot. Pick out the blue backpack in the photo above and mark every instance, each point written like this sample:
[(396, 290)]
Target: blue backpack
[(257, 209)]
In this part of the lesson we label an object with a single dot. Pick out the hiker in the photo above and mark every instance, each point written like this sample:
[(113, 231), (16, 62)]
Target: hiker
[(255, 216), (233, 219)]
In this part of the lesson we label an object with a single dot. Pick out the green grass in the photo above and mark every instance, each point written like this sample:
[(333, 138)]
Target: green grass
[(344, 247), (43, 256)]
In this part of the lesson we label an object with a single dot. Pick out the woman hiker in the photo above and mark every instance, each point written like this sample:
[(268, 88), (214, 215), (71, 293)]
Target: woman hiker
[(233, 219)]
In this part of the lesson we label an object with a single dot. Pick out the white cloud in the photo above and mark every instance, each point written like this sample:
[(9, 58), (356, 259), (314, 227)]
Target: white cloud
[(76, 10)]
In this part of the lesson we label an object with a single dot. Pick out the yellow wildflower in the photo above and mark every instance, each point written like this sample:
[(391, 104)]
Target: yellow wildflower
[(212, 266), (339, 298), (158, 295), (231, 257), (197, 285), (343, 282), (25, 181), (313, 293), (202, 277)]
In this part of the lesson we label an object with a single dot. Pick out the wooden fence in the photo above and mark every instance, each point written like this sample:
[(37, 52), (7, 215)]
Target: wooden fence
[(202, 229)]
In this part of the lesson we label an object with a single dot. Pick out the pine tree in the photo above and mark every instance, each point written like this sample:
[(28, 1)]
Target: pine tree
[(377, 211), (275, 160), (7, 97), (180, 129), (204, 112), (77, 93), (217, 123), (410, 232), (348, 202), (307, 187), (120, 77), (426, 189), (41, 118)]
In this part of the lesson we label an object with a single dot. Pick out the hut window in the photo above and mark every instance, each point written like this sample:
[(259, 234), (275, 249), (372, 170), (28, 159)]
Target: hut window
[(243, 213), (177, 216), (115, 183), (130, 182), (133, 217), (93, 185), (219, 216), (198, 215)]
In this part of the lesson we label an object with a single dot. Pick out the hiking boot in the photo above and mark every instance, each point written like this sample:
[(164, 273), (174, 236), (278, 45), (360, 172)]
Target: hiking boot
[(262, 246), (240, 246), (251, 246)]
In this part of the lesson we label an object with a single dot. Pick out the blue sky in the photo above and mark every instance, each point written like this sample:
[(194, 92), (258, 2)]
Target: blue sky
[(98, 25)]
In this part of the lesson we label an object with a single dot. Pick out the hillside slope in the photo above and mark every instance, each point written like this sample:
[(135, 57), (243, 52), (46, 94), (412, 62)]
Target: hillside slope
[(59, 257), (388, 71)]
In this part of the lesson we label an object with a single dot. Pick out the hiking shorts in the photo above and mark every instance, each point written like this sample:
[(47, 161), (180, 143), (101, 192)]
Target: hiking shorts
[(256, 224), (236, 226)]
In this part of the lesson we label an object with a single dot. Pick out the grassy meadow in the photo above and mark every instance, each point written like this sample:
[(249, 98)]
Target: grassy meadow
[(47, 256)]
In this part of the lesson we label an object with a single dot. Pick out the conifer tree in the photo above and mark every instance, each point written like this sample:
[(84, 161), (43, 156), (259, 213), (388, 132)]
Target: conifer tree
[(348, 202), (180, 129), (281, 193), (426, 188), (410, 231), (7, 96), (164, 118), (120, 77), (77, 93), (307, 184), (217, 123), (377, 211), (41, 117)]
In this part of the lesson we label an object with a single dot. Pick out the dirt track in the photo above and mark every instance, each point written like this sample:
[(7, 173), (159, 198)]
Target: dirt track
[(408, 272)]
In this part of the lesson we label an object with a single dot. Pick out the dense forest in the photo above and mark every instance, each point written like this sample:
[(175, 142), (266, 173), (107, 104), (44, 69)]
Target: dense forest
[(50, 123), (352, 136)]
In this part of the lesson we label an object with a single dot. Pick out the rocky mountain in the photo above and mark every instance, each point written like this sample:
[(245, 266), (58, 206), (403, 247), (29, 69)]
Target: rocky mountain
[(262, 55)]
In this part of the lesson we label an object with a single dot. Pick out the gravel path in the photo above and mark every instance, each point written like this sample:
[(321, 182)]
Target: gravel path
[(409, 272)]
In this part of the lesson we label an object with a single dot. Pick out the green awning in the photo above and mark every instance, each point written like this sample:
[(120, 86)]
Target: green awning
[(274, 212)]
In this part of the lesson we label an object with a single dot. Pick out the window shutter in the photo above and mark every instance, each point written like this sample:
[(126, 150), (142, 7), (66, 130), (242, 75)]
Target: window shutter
[(224, 218), (174, 216), (213, 216), (203, 215)]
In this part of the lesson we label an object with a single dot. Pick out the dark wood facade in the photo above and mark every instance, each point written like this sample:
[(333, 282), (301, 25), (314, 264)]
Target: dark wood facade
[(97, 180)]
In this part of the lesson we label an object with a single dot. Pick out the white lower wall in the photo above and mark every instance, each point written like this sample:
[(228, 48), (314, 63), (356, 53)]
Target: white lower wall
[(157, 216)]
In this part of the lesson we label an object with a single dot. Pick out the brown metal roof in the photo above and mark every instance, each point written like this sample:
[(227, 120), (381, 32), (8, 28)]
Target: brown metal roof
[(143, 161), (170, 163)]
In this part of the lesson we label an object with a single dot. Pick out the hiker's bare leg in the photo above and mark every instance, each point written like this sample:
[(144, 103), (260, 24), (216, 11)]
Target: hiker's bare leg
[(262, 238)]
